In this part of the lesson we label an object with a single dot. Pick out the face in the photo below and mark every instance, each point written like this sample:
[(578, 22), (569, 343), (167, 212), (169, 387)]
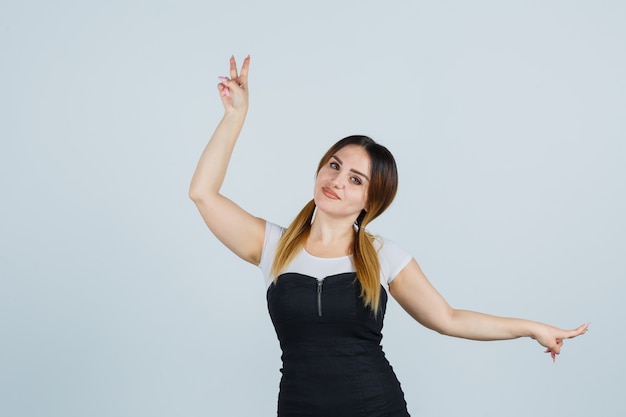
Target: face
[(342, 182)]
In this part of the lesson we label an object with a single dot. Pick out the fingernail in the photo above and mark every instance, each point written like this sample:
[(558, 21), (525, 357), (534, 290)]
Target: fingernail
[(222, 79), (227, 91)]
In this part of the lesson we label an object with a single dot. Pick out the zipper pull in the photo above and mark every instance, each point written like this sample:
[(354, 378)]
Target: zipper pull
[(319, 296)]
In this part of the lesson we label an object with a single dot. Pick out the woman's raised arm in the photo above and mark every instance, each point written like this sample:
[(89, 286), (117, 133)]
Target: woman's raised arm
[(240, 231)]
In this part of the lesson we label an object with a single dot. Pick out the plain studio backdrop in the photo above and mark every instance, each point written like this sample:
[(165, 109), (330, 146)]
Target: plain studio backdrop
[(507, 122)]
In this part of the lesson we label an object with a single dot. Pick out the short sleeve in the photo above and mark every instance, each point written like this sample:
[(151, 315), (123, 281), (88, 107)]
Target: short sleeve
[(273, 233), (392, 257)]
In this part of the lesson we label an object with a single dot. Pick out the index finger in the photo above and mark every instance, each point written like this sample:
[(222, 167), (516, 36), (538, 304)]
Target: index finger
[(233, 68), (581, 329), (577, 331)]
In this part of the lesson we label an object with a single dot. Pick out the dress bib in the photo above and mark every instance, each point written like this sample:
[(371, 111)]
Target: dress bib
[(333, 363)]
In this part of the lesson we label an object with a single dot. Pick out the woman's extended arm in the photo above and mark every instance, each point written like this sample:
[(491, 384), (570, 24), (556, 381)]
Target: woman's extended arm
[(234, 227), (421, 300)]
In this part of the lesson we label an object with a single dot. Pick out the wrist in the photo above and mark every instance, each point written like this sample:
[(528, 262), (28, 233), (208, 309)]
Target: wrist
[(532, 330), (233, 115)]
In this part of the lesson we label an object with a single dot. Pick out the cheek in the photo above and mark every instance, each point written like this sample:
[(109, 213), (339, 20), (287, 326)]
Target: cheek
[(363, 198), (319, 181), (321, 175)]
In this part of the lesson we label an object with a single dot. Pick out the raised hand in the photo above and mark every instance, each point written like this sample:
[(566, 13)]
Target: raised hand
[(237, 229), (234, 89)]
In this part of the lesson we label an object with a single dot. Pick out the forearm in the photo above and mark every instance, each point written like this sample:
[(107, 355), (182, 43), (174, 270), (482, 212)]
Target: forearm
[(211, 169), (479, 326)]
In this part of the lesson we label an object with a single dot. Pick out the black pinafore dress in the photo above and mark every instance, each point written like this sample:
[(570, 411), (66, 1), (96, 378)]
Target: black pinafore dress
[(333, 363)]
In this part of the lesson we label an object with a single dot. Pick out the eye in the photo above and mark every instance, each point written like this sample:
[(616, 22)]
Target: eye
[(356, 180), (334, 165)]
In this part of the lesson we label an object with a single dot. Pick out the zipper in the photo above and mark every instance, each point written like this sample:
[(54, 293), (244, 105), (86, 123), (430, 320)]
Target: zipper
[(319, 296)]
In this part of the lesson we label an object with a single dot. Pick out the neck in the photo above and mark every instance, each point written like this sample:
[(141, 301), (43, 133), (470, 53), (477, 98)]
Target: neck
[(327, 232)]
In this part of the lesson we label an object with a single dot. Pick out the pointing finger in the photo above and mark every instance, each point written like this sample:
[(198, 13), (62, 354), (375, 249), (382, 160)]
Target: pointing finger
[(233, 68), (577, 331)]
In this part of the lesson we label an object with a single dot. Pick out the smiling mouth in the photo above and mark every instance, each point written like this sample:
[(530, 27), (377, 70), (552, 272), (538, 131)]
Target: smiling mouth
[(330, 193)]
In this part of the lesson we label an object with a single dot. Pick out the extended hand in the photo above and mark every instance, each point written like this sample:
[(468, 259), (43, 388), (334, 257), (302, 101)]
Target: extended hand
[(234, 90), (552, 338)]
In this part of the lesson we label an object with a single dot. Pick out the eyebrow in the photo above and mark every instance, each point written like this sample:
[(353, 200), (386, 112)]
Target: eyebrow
[(353, 170)]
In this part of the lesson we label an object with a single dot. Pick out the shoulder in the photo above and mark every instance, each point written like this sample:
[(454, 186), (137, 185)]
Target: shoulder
[(392, 257), (273, 233), (387, 247)]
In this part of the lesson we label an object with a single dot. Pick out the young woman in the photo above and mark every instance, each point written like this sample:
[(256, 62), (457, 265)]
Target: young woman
[(328, 277)]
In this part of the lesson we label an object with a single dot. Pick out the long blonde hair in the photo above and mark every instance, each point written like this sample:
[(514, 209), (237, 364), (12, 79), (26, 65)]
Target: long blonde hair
[(382, 189)]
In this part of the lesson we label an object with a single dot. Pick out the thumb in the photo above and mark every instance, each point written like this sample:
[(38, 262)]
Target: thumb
[(556, 348)]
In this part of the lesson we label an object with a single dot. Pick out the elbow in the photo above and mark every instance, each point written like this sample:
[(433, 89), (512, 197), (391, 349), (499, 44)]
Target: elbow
[(197, 194), (203, 197), (194, 195), (436, 324), (446, 332), (199, 198), (445, 324), (441, 329)]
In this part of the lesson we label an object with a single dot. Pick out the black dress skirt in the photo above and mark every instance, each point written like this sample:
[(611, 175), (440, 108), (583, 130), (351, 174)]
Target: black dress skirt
[(333, 363)]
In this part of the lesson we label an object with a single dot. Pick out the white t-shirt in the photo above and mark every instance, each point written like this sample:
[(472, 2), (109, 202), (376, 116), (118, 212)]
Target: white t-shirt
[(392, 259)]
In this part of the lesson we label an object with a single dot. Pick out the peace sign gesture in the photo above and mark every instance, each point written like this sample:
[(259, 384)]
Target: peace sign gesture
[(234, 90)]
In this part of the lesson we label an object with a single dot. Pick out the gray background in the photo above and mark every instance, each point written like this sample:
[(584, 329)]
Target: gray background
[(507, 121)]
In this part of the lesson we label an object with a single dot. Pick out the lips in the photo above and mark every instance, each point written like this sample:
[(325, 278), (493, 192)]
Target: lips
[(330, 193)]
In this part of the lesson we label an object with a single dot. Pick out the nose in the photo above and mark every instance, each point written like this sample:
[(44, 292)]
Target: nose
[(338, 181)]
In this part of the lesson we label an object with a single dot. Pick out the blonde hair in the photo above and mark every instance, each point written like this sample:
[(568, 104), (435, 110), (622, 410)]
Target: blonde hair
[(382, 189)]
